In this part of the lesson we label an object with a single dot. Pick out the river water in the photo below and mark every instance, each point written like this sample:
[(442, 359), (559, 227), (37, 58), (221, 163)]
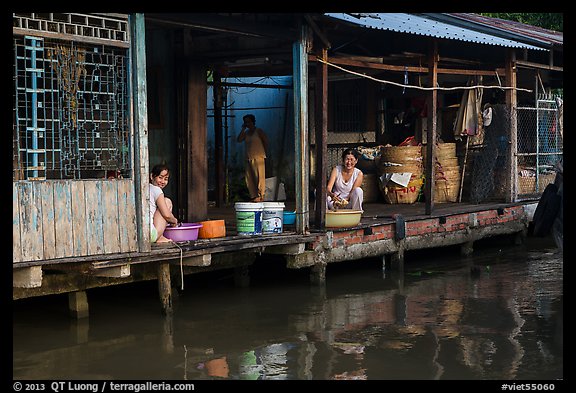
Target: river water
[(496, 315)]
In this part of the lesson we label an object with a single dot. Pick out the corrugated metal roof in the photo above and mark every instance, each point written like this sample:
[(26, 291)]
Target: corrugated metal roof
[(413, 24), (545, 36)]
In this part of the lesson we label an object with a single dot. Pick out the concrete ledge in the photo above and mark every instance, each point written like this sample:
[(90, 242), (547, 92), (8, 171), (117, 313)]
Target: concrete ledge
[(28, 277), (113, 272)]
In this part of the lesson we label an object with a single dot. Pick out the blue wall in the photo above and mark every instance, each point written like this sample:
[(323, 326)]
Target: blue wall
[(268, 105)]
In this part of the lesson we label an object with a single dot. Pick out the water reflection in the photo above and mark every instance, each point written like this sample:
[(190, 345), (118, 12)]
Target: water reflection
[(496, 315)]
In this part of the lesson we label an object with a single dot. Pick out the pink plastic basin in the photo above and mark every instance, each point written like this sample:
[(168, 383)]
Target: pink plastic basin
[(183, 233)]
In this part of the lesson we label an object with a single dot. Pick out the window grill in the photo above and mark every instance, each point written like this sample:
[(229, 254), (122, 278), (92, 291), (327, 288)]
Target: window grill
[(540, 145), (70, 118)]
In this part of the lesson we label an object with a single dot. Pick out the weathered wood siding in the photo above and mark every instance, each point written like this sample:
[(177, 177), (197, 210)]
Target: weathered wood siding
[(71, 218)]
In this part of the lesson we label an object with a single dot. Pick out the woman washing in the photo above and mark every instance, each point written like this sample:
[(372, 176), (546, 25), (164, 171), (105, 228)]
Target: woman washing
[(343, 190), (160, 206)]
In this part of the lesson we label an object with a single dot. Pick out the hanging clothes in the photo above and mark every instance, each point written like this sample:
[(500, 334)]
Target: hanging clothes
[(468, 121)]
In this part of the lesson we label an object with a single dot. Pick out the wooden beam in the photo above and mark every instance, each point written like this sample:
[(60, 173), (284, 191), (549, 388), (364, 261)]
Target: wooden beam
[(113, 272), (140, 129), (399, 68), (218, 140), (165, 288), (300, 76), (196, 139), (318, 32), (511, 103), (321, 137), (431, 132), (78, 304), (529, 64), (30, 277), (199, 260)]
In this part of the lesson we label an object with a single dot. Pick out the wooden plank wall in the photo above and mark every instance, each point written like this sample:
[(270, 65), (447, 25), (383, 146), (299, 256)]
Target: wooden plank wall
[(71, 218)]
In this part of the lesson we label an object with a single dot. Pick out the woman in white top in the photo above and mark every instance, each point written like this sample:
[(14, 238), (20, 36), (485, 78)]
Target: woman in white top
[(160, 206), (344, 183)]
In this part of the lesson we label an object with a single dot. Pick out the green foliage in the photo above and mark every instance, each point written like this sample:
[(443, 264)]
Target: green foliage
[(550, 21)]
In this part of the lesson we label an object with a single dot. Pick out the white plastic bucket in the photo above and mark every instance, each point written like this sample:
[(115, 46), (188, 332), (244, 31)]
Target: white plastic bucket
[(272, 217), (249, 218)]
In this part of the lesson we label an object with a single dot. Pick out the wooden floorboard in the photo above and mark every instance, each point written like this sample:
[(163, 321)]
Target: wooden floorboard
[(374, 213)]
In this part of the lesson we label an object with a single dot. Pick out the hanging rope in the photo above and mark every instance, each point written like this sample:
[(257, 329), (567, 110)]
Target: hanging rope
[(422, 88)]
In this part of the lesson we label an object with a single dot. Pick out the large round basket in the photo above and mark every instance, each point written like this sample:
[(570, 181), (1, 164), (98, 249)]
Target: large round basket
[(394, 194)]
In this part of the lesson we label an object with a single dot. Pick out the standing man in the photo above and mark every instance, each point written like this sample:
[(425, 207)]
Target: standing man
[(256, 146)]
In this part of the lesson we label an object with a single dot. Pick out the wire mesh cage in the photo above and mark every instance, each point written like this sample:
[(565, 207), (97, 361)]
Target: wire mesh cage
[(540, 145)]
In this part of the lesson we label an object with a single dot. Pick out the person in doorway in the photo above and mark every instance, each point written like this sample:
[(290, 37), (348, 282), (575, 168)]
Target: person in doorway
[(160, 206), (343, 190), (256, 147)]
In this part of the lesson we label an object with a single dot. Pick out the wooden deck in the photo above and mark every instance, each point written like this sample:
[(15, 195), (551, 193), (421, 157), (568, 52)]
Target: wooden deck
[(376, 235)]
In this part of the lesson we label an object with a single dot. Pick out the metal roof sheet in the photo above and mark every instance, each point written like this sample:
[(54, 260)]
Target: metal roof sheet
[(414, 24), (545, 36)]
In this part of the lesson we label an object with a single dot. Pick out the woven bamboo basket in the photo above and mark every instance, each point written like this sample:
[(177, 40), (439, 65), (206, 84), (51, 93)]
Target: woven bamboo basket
[(401, 153), (371, 188), (527, 185), (447, 190), (394, 194)]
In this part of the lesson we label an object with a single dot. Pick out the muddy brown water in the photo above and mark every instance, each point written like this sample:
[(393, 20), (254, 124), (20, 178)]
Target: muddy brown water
[(496, 315)]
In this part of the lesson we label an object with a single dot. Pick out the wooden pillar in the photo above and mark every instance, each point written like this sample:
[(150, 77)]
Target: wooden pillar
[(520, 237), (140, 128), (318, 274), (78, 304), (467, 248), (397, 258), (385, 259), (511, 103), (196, 151), (168, 334), (218, 140), (302, 161), (80, 329), (165, 287), (431, 133), (321, 136), (242, 276)]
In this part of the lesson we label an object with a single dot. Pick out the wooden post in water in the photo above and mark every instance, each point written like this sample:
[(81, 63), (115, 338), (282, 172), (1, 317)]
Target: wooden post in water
[(78, 304), (397, 258), (467, 248), (242, 276), (165, 287), (318, 274)]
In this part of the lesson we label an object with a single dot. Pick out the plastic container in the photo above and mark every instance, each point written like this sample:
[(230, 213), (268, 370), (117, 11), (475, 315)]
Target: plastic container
[(272, 217), (344, 218), (186, 232), (289, 218), (212, 229), (249, 218)]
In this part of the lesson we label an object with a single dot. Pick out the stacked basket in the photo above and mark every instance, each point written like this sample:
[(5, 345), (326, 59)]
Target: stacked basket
[(401, 159), (447, 183)]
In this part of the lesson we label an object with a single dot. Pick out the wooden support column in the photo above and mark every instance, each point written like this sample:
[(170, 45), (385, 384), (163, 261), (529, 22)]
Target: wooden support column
[(78, 304), (397, 258), (511, 103), (302, 161), (431, 133), (318, 274), (321, 136), (196, 152), (218, 140), (242, 276), (168, 334), (467, 248), (140, 128), (165, 287), (520, 237)]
